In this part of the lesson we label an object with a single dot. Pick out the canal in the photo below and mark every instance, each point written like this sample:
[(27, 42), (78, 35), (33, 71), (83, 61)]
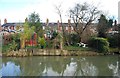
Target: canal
[(61, 66)]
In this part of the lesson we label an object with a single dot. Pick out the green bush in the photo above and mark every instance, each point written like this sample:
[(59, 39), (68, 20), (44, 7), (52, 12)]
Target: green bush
[(9, 47), (114, 41), (54, 35), (100, 44), (73, 39), (49, 44), (14, 44), (42, 42)]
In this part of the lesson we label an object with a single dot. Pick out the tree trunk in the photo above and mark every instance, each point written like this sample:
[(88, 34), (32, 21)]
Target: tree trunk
[(22, 43)]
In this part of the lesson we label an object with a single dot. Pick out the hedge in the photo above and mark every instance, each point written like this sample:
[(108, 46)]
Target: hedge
[(100, 44)]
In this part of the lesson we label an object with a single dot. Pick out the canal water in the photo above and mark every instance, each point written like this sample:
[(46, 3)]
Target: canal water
[(61, 66)]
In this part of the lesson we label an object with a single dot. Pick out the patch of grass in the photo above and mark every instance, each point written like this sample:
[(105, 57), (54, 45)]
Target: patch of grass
[(114, 50), (30, 47), (77, 48)]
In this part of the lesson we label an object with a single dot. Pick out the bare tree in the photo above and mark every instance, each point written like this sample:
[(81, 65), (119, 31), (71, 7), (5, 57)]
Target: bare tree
[(83, 15), (59, 12)]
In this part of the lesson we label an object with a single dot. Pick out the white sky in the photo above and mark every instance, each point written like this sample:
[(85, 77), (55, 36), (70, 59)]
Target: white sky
[(18, 10)]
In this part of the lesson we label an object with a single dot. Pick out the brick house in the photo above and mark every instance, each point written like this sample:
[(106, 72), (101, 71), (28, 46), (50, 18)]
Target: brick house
[(13, 28)]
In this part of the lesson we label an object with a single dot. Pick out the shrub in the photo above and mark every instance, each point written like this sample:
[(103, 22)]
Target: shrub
[(114, 41), (13, 44), (100, 44), (49, 44), (73, 39), (42, 42), (54, 35)]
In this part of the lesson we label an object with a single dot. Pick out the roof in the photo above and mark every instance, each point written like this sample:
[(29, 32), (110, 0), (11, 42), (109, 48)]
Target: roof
[(11, 24), (43, 24)]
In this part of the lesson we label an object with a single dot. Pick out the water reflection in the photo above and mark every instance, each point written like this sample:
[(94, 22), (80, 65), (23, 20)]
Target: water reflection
[(0, 66), (14, 69), (61, 66), (86, 68)]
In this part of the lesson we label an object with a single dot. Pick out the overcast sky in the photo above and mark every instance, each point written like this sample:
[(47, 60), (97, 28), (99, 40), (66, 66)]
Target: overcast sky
[(18, 10)]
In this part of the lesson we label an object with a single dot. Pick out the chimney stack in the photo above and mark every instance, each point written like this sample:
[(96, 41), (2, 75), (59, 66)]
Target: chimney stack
[(0, 22), (58, 26), (5, 21), (47, 22), (26, 20), (68, 22), (58, 23)]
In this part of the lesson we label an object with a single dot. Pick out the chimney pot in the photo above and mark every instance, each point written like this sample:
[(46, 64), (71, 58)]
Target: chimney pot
[(5, 21), (0, 22), (26, 20)]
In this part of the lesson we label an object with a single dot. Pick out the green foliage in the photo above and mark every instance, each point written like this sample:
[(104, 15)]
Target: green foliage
[(42, 42), (31, 47), (114, 50), (77, 48), (54, 35), (119, 36), (49, 44), (110, 22), (33, 18), (102, 26), (34, 21), (13, 45), (5, 48), (28, 31), (113, 40), (73, 39), (100, 44)]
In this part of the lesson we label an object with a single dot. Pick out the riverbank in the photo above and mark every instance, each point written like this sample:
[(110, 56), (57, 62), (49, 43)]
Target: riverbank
[(51, 52)]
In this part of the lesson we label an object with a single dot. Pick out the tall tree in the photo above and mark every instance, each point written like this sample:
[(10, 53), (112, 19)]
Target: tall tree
[(83, 15), (110, 23), (26, 34), (119, 36), (59, 12), (102, 26), (34, 20), (115, 23)]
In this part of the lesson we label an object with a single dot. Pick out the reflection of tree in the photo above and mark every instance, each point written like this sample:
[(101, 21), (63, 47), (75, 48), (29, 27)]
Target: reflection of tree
[(119, 66), (94, 66), (114, 68), (85, 68), (59, 64), (29, 66), (101, 63), (33, 66)]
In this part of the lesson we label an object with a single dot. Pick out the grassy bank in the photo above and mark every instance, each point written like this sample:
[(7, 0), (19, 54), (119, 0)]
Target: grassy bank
[(114, 50), (70, 48)]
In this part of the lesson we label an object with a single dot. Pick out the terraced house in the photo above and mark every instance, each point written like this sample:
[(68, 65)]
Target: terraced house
[(49, 28)]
